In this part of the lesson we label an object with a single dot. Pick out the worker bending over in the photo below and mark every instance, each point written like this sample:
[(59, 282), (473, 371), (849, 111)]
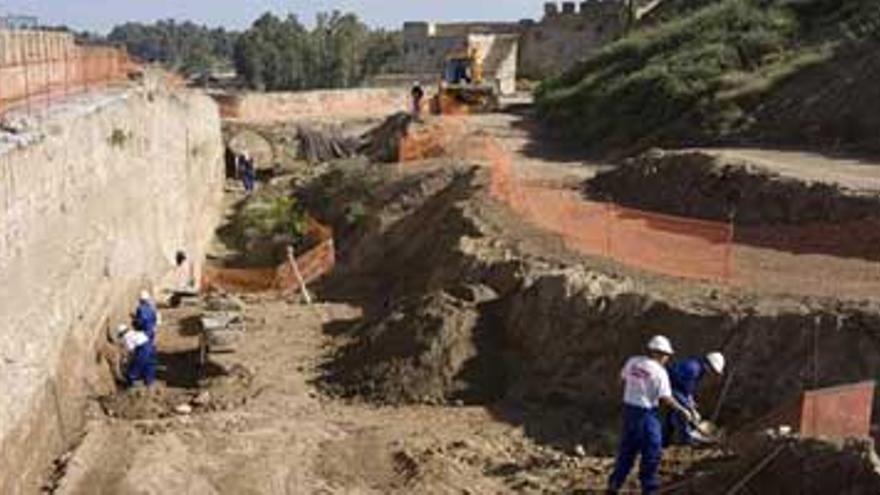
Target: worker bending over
[(685, 377), (646, 385), (146, 316), (141, 366)]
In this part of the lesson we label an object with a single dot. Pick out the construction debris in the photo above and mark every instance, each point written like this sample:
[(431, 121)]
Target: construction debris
[(382, 144), (323, 146)]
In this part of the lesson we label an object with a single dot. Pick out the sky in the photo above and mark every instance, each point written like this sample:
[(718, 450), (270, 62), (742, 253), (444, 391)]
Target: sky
[(101, 15)]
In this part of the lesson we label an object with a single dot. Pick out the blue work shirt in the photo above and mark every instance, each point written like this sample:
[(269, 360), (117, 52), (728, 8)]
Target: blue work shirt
[(685, 376), (145, 319)]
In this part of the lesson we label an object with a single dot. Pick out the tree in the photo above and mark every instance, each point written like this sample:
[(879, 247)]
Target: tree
[(186, 47), (339, 52)]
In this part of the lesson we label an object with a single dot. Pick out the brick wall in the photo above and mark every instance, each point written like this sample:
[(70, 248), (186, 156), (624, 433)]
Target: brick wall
[(42, 62)]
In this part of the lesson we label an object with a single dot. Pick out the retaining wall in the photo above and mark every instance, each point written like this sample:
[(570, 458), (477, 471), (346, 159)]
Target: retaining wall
[(92, 211), (334, 104)]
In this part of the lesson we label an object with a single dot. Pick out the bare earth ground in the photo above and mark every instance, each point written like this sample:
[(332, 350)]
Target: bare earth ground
[(278, 435), (263, 426), (755, 270)]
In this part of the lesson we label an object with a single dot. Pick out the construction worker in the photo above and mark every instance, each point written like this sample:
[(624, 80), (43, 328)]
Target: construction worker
[(685, 377), (146, 316), (142, 366), (248, 172), (646, 385), (418, 94)]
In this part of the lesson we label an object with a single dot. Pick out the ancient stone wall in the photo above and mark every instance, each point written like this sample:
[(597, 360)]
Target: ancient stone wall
[(92, 210), (562, 38), (567, 33)]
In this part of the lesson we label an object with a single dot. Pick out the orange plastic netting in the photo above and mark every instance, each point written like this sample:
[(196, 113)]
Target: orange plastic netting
[(659, 243), (313, 264)]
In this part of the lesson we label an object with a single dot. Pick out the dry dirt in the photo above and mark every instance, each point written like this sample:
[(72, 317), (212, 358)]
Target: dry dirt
[(442, 282), (278, 434)]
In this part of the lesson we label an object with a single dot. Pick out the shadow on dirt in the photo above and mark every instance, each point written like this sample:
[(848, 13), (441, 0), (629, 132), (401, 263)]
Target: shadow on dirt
[(183, 370)]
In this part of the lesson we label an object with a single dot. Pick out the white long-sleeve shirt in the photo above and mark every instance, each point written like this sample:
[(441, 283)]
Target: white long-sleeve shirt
[(646, 382)]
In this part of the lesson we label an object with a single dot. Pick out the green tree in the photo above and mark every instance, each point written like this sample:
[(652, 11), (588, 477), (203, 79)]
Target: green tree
[(185, 47), (339, 52)]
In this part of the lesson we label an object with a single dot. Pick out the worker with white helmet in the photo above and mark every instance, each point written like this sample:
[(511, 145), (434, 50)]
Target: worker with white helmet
[(685, 377), (146, 316), (142, 365), (646, 385)]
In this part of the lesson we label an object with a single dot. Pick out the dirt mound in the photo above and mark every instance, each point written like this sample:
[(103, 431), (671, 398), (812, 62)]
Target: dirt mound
[(699, 185), (428, 349), (382, 144)]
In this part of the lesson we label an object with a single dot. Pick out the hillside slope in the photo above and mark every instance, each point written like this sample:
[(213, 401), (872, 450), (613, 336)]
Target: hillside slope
[(782, 72)]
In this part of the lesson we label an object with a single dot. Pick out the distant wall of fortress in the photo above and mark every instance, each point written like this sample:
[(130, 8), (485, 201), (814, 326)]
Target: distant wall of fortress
[(567, 33)]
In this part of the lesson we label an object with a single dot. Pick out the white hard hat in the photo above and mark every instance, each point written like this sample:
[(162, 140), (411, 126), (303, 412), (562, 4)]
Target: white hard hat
[(716, 362), (145, 295), (659, 343)]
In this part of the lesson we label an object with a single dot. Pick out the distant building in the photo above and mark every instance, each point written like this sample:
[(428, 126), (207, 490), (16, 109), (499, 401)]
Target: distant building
[(567, 33), (18, 22)]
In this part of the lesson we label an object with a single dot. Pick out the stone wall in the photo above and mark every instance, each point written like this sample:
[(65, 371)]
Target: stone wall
[(91, 211), (567, 33), (560, 40), (332, 104)]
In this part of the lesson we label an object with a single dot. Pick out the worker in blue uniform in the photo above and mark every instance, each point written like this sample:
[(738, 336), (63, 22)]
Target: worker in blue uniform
[(142, 365), (146, 317), (646, 385), (685, 377)]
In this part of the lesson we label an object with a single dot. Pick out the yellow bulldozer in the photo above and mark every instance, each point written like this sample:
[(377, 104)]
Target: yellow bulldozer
[(463, 88)]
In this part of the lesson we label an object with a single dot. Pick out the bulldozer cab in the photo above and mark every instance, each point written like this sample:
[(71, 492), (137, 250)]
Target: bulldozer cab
[(457, 71), (462, 89), (463, 67)]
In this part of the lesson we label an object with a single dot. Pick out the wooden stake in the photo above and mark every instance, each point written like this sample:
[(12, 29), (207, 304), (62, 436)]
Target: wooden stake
[(291, 258)]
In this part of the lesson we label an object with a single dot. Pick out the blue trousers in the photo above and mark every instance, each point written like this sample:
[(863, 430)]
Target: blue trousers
[(143, 365), (642, 435), (678, 430), (248, 182)]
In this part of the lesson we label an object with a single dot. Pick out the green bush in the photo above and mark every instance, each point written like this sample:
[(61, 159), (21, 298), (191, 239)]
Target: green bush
[(672, 74), (279, 215)]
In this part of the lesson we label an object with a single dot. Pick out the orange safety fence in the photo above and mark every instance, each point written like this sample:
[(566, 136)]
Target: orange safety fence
[(664, 244), (33, 81), (313, 264)]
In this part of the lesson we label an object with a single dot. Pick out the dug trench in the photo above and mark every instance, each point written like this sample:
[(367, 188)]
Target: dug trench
[(455, 314), (455, 350)]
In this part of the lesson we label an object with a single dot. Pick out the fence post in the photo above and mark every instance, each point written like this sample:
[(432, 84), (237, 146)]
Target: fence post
[(291, 258), (66, 72), (47, 68), (26, 65), (2, 66)]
